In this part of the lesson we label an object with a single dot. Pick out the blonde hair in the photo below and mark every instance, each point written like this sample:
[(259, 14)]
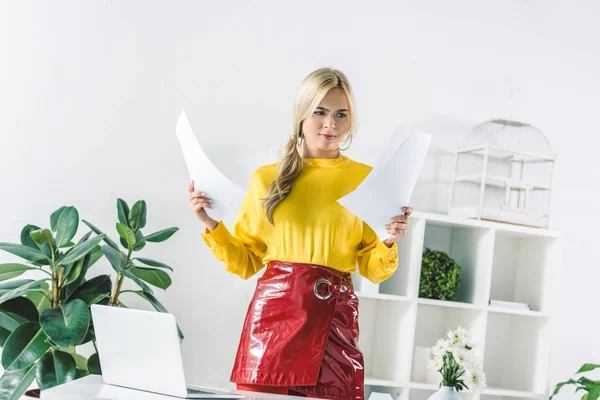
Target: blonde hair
[(310, 94)]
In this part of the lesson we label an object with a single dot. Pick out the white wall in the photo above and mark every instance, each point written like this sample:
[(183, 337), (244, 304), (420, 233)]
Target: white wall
[(90, 91)]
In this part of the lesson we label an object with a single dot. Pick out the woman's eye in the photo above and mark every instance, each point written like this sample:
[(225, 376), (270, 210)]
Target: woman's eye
[(319, 113), (341, 115)]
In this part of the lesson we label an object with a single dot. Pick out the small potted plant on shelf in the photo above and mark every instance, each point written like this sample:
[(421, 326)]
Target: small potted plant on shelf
[(589, 386), (455, 359), (439, 276)]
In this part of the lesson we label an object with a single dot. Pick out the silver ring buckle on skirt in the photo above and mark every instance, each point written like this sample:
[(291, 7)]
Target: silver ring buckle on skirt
[(316, 289)]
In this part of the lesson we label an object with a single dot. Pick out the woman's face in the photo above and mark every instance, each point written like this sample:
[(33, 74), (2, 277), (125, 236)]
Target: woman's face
[(327, 126)]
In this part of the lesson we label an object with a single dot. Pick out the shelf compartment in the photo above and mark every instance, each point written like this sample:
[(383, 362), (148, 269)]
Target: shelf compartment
[(386, 334), (523, 270), (472, 248), (397, 392), (511, 339), (433, 323)]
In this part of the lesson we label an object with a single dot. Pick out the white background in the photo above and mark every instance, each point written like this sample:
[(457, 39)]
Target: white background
[(90, 92)]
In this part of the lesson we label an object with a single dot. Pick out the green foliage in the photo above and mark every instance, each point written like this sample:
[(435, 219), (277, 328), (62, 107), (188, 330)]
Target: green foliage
[(589, 386), (439, 276), (43, 321)]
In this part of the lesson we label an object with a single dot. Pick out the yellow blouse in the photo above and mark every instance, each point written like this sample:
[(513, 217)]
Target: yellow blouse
[(310, 226)]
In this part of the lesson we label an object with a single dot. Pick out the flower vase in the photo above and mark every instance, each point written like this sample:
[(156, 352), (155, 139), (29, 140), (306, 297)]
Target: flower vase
[(445, 393)]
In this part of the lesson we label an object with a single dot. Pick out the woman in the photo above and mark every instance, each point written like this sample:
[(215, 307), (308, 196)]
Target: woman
[(301, 331)]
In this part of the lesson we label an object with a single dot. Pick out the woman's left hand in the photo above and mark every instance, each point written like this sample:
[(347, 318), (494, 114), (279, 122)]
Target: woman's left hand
[(398, 226)]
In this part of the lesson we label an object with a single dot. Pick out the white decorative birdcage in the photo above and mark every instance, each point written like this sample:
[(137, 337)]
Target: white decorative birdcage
[(503, 173)]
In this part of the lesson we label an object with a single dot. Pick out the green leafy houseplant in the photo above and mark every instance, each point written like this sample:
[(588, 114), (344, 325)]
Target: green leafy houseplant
[(439, 276), (43, 321), (591, 387)]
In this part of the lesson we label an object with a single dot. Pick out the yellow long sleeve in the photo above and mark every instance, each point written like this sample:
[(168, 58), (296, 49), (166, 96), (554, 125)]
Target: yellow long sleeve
[(376, 261), (310, 226)]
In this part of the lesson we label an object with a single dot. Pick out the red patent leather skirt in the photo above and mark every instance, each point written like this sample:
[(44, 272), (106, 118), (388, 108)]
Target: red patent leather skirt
[(301, 332)]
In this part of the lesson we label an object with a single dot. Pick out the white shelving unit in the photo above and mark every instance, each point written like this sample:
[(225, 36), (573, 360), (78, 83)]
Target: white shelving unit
[(498, 262)]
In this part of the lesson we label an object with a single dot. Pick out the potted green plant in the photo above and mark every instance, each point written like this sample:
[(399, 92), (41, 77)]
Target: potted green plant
[(589, 386), (42, 322), (439, 276)]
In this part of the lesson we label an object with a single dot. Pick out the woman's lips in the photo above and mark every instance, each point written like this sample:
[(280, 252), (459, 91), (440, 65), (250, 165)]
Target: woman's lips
[(328, 137)]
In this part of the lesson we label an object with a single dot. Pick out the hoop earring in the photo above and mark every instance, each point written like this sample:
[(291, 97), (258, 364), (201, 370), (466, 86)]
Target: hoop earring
[(349, 144)]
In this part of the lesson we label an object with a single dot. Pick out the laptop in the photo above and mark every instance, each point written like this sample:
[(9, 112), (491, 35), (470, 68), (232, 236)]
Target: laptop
[(140, 349)]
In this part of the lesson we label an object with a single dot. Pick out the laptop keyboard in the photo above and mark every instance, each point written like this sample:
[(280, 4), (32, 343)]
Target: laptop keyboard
[(195, 391)]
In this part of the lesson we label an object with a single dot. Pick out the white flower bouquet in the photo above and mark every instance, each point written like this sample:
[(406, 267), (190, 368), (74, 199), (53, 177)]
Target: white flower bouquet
[(456, 360)]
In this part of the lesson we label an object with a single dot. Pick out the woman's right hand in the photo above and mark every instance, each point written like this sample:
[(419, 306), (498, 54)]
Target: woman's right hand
[(198, 201)]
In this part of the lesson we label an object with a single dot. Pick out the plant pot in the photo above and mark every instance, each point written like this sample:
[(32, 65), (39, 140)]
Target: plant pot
[(445, 393), (34, 393)]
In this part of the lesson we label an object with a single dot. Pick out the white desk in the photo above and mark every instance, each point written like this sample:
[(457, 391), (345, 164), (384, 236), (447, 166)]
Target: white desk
[(92, 387)]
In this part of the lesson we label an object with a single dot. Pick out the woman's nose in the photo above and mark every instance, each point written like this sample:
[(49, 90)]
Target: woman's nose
[(329, 123)]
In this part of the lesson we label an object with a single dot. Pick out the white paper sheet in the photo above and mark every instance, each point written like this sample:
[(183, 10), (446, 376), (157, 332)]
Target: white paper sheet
[(390, 184), (226, 196)]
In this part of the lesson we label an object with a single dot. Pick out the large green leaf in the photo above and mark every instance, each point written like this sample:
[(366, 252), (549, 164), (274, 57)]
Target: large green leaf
[(42, 236), (100, 284), (137, 217), (140, 242), (55, 368), (26, 239), (71, 287), (67, 324), (12, 270), (115, 257), (96, 254), (90, 335), (587, 383), (19, 287), (80, 250), (72, 271), (16, 312), (588, 367), (67, 225), (10, 320), (4, 334), (14, 383), (82, 265), (22, 251), (24, 346), (123, 211), (81, 373), (594, 393), (85, 237), (93, 365), (40, 301), (153, 263), (54, 218), (95, 298), (137, 280), (80, 361), (157, 306), (127, 234), (161, 236), (155, 277), (99, 232)]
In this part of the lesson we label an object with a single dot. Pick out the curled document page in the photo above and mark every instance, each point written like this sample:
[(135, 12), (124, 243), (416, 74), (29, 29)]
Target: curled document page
[(226, 196), (390, 184)]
